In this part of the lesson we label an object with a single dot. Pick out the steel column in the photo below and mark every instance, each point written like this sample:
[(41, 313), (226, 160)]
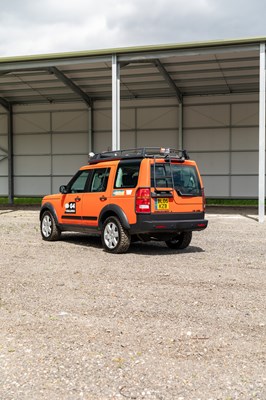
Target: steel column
[(262, 135), (10, 157), (180, 128), (90, 130), (115, 103)]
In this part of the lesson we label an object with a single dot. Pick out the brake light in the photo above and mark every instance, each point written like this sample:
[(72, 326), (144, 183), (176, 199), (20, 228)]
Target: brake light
[(203, 199), (143, 200)]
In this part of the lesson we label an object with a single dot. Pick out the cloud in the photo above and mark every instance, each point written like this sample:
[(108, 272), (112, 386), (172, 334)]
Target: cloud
[(45, 26)]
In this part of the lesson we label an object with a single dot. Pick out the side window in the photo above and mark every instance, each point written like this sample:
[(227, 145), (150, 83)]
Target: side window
[(79, 183), (127, 174), (99, 180)]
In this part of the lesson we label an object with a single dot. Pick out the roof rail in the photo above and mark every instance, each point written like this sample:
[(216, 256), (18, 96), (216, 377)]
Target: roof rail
[(141, 152)]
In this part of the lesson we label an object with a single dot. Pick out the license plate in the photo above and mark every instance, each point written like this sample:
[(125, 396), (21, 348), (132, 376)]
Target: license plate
[(162, 204)]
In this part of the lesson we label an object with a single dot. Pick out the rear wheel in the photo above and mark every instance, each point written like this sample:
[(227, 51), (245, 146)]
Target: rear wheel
[(181, 241), (49, 229), (115, 238)]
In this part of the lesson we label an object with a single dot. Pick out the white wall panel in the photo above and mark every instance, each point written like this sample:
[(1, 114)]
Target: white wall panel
[(207, 135), (3, 123), (3, 186), (223, 99), (206, 116), (206, 139), (245, 138), (212, 163), (4, 142), (157, 138), (244, 186), (31, 108), (34, 127), (32, 165), (70, 143), (128, 140), (245, 163), (3, 166), (31, 123), (70, 121), (139, 103), (127, 119), (102, 141), (31, 186), (157, 118), (68, 165), (245, 114), (32, 144), (102, 120), (216, 186)]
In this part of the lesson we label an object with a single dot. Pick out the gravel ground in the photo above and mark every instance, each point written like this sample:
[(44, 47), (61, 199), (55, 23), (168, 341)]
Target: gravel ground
[(79, 323)]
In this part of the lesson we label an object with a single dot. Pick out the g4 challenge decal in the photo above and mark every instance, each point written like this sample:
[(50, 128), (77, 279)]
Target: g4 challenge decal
[(70, 208)]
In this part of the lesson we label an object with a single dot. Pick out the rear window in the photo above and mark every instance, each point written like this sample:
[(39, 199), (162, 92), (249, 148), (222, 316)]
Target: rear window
[(184, 178)]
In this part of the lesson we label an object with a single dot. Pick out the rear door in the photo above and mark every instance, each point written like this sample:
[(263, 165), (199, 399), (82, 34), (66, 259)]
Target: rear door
[(176, 187), (97, 196)]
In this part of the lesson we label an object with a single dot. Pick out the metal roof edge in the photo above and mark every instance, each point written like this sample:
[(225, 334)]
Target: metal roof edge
[(134, 49)]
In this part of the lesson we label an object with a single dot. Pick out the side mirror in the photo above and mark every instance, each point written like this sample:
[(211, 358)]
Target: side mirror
[(63, 189)]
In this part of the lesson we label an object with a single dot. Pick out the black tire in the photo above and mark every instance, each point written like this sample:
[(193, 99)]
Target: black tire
[(181, 241), (115, 238), (49, 229)]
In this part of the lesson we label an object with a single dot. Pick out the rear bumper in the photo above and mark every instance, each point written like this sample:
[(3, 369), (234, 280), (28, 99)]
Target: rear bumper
[(167, 223)]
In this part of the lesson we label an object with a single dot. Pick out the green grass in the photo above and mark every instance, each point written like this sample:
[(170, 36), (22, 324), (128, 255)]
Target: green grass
[(22, 200), (232, 202)]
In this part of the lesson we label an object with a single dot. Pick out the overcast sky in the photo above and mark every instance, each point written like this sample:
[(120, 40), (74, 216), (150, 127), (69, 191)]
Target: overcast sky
[(49, 26)]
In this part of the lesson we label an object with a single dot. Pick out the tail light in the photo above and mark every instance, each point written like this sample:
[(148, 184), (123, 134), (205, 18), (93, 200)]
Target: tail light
[(143, 200), (203, 199)]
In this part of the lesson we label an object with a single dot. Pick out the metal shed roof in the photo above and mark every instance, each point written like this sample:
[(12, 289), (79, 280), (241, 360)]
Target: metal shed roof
[(188, 69)]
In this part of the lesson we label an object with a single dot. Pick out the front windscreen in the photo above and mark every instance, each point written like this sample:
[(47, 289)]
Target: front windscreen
[(183, 178)]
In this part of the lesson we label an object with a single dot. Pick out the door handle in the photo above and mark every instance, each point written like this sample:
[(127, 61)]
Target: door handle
[(77, 199), (103, 198)]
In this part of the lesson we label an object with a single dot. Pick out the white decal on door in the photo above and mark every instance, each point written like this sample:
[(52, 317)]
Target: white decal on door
[(70, 208)]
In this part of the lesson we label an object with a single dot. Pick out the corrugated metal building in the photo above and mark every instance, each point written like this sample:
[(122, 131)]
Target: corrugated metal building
[(208, 98)]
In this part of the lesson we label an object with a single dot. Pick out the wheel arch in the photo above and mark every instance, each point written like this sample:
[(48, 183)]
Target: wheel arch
[(115, 211), (49, 207)]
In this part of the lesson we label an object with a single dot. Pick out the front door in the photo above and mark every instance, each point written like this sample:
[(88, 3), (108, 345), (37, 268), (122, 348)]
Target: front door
[(71, 207)]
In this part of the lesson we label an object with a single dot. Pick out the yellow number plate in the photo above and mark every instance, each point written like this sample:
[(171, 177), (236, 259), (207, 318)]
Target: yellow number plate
[(162, 204)]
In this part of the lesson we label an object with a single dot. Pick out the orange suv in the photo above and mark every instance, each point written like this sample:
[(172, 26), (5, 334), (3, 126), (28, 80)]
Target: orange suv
[(127, 195)]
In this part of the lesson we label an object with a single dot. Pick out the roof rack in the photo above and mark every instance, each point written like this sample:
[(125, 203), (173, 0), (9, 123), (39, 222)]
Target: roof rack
[(141, 152)]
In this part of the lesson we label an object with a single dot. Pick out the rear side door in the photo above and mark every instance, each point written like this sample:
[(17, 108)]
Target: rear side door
[(97, 195)]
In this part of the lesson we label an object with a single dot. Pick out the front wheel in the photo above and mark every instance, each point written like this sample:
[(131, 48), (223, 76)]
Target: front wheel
[(115, 238), (181, 241), (49, 229)]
